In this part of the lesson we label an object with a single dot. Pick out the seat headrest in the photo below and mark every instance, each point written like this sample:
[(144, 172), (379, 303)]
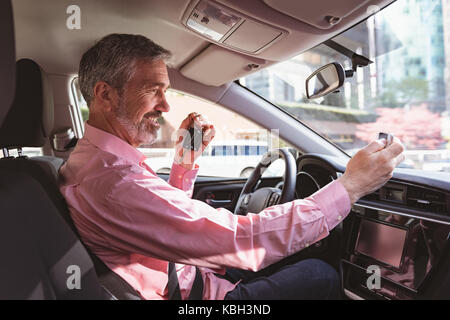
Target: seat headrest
[(30, 119), (7, 58)]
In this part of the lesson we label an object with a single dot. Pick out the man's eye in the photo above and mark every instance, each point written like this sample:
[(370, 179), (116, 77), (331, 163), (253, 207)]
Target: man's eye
[(151, 90)]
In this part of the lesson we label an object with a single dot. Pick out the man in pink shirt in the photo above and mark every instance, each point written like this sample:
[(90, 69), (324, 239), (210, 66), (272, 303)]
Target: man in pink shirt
[(149, 231)]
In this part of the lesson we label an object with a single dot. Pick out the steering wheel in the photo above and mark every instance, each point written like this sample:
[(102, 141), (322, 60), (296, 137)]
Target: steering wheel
[(255, 201)]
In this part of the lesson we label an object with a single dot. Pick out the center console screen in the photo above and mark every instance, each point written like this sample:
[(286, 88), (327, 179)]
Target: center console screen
[(404, 248), (381, 242)]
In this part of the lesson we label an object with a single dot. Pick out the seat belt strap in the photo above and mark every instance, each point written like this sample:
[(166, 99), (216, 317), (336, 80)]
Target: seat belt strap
[(174, 287), (197, 286)]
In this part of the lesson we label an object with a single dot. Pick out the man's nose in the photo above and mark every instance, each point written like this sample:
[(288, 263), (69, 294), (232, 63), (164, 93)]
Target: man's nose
[(163, 105)]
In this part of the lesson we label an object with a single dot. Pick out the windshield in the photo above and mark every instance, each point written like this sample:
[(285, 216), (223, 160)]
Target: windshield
[(405, 91)]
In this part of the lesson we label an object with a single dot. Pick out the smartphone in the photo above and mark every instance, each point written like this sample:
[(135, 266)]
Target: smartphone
[(387, 136), (194, 139)]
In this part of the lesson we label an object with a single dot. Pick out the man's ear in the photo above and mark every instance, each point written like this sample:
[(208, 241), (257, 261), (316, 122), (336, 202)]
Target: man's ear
[(105, 96)]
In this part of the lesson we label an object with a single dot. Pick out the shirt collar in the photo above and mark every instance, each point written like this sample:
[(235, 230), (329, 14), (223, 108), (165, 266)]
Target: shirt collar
[(112, 144)]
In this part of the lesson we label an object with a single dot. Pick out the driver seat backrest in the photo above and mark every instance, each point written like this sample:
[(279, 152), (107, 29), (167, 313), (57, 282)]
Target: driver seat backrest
[(28, 124), (34, 265)]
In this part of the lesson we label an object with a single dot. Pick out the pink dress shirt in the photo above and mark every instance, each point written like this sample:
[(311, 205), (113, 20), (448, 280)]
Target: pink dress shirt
[(136, 222)]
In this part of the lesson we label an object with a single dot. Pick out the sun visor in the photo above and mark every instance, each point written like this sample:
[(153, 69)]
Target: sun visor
[(322, 14), (7, 58), (216, 66)]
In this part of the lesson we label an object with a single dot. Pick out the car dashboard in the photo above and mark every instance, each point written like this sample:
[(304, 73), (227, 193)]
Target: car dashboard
[(394, 243)]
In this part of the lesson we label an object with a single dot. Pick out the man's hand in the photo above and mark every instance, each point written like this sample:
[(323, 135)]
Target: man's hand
[(186, 158), (371, 167)]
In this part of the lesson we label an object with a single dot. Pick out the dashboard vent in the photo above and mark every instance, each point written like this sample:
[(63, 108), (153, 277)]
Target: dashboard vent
[(432, 201)]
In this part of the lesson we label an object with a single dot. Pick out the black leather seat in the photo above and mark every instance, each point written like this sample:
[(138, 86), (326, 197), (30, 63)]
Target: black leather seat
[(31, 99), (37, 246)]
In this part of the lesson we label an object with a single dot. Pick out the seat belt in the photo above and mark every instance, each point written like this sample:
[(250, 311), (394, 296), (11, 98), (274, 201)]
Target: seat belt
[(174, 287), (197, 286)]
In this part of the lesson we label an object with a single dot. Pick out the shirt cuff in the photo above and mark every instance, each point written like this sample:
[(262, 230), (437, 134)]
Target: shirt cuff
[(334, 202), (183, 178)]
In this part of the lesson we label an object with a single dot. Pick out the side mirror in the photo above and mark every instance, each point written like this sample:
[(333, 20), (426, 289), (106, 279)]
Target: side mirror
[(325, 80)]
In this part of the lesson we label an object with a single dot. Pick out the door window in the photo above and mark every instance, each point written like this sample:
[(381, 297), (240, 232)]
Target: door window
[(236, 149)]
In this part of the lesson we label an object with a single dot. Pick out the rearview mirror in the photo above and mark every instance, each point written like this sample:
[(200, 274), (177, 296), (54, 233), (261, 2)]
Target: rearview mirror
[(324, 80)]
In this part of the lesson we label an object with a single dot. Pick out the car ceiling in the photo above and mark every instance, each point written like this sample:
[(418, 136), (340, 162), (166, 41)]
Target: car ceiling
[(42, 35)]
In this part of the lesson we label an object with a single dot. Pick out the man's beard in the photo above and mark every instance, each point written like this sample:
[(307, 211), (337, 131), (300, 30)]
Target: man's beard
[(140, 133)]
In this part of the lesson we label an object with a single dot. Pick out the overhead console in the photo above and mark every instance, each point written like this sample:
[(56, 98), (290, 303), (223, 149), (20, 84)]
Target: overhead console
[(270, 31), (229, 28)]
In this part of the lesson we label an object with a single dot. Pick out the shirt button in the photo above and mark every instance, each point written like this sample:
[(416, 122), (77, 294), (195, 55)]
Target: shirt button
[(339, 218), (186, 180), (180, 177)]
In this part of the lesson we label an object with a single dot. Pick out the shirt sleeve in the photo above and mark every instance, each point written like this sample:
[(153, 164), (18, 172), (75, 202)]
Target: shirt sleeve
[(182, 178), (141, 213)]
